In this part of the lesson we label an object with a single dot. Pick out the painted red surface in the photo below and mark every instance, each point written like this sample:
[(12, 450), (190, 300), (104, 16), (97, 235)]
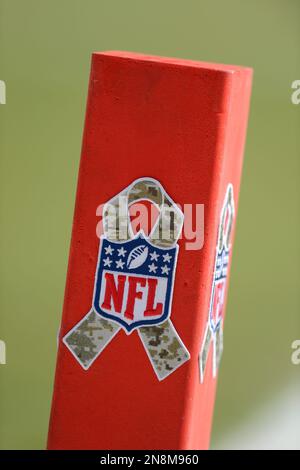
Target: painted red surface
[(183, 123)]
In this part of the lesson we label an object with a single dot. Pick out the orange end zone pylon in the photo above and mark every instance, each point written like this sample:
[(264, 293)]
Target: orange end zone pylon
[(142, 329)]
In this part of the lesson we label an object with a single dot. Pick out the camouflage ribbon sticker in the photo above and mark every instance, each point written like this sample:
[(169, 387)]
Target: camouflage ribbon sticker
[(134, 282), (214, 329)]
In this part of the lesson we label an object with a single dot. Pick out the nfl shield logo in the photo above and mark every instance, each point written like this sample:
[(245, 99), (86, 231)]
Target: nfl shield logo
[(134, 282), (218, 290)]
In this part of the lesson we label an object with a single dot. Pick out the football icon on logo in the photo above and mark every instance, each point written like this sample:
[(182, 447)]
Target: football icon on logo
[(137, 257)]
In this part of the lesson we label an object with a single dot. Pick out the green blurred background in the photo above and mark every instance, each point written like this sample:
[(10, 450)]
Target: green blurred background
[(45, 49)]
